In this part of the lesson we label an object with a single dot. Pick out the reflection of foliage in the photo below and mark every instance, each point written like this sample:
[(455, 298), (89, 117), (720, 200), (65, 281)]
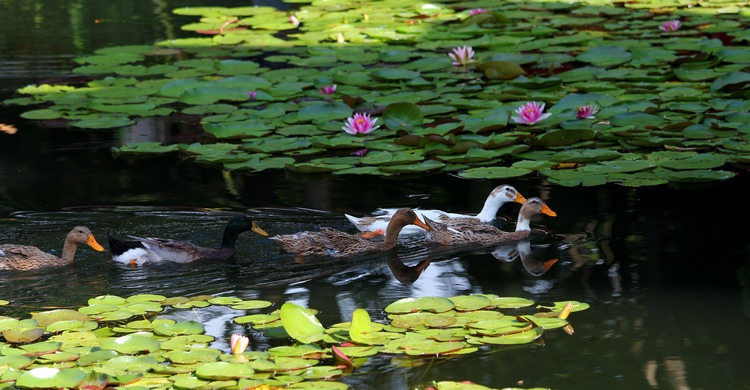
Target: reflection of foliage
[(118, 341), (683, 91)]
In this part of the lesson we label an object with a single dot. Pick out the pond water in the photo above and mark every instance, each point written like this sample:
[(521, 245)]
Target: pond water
[(664, 269)]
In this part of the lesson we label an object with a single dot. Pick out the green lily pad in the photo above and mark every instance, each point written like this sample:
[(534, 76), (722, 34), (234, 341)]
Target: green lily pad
[(96, 357), (470, 302), (130, 344), (424, 166), (48, 377), (635, 118), (299, 323), (494, 173), (179, 328), (699, 176), (699, 161), (500, 70), (103, 122), (576, 306), (508, 302), (251, 305), (410, 305), (584, 156), (323, 112), (16, 361), (25, 336), (605, 56), (509, 339), (223, 371), (402, 116)]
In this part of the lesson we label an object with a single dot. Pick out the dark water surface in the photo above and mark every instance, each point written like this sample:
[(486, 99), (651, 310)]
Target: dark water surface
[(665, 270)]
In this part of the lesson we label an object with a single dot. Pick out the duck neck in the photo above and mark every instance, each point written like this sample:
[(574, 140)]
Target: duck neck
[(523, 224), (230, 238), (69, 252), (391, 235), (489, 211)]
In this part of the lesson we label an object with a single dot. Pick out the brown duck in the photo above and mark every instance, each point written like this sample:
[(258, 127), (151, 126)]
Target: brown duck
[(23, 257), (483, 234), (334, 243)]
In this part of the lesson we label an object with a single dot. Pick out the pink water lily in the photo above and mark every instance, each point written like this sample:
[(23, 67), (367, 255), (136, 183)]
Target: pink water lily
[(462, 55), (360, 124), (586, 112), (238, 343), (360, 153), (293, 20), (252, 95), (477, 11), (672, 25), (530, 113), (328, 89)]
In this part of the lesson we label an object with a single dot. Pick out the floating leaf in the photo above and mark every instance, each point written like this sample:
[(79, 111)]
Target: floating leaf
[(131, 344), (48, 377), (431, 304), (402, 116), (299, 323)]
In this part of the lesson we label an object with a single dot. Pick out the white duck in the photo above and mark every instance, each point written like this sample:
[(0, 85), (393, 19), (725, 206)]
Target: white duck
[(499, 196), (483, 234)]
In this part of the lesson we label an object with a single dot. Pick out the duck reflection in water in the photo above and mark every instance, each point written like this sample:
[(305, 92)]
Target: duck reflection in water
[(533, 265), (404, 273)]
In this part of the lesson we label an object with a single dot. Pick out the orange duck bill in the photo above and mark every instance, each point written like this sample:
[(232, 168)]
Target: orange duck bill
[(93, 244), (519, 198), (548, 211), (421, 224)]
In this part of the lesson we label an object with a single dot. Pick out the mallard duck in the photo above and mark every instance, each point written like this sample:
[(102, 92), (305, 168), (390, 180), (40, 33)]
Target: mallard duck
[(23, 257), (331, 242), (484, 234), (499, 196), (144, 251)]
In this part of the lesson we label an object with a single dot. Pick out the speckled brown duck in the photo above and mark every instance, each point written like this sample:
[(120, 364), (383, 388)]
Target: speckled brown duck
[(24, 257), (334, 243), (484, 234)]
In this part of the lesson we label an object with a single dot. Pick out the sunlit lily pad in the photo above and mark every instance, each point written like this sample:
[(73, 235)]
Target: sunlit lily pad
[(409, 305), (250, 305), (23, 336), (223, 371), (299, 323), (179, 328), (509, 302), (131, 344), (470, 302), (48, 377)]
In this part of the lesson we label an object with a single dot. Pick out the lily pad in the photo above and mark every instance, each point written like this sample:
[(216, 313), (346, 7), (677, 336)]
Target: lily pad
[(430, 304), (48, 377), (130, 344), (299, 323)]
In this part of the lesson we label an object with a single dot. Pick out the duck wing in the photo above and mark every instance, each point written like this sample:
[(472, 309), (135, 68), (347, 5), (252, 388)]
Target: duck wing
[(25, 257), (181, 251)]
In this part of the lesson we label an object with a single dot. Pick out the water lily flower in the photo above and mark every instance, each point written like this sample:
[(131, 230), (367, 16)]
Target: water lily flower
[(462, 55), (586, 112), (238, 343), (360, 124), (252, 95), (360, 153), (293, 20), (672, 25), (477, 11), (328, 89), (530, 113)]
